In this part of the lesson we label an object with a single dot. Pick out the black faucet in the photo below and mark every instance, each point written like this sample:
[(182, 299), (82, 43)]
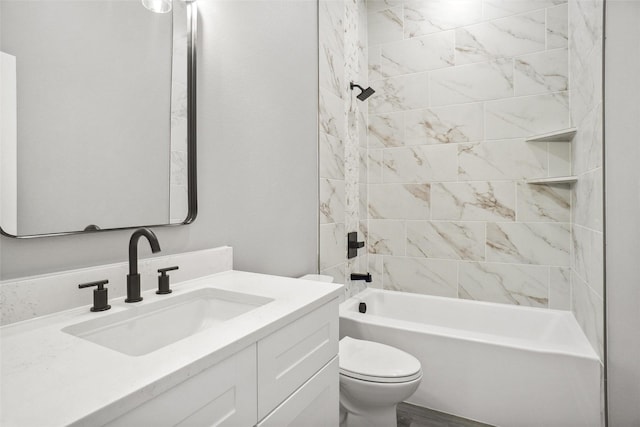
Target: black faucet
[(133, 278), (358, 276)]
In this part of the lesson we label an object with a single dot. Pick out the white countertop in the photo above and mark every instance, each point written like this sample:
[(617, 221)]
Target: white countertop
[(49, 377)]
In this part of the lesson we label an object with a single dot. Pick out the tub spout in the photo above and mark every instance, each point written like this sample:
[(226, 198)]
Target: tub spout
[(358, 276)]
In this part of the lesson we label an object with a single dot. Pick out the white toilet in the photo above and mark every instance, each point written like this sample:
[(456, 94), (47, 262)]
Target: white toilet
[(374, 378)]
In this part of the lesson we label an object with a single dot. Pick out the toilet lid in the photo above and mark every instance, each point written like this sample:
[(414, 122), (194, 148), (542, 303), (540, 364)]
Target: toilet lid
[(376, 362)]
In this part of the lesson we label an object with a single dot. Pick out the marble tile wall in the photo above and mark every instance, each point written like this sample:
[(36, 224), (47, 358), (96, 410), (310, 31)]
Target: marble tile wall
[(460, 85), (434, 167), (342, 137), (587, 251)]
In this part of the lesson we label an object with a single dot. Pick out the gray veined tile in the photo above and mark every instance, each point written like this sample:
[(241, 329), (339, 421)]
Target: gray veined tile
[(587, 200), (457, 123), (419, 164), (559, 159), (541, 72), (331, 46), (557, 26), (386, 237), (374, 166), (526, 116), (501, 160), (475, 201), (504, 283), (331, 157), (386, 130), (331, 20), (501, 38), (529, 243), (363, 126), (423, 17), (332, 245), (446, 240), (332, 201), (362, 167), (373, 60), (420, 275), (585, 27), (363, 13), (543, 203), (588, 143), (586, 86), (417, 54), (560, 288), (331, 70), (474, 82), (587, 257), (399, 201), (363, 200), (588, 309), (399, 93), (377, 5), (499, 8), (376, 270), (385, 26), (331, 115)]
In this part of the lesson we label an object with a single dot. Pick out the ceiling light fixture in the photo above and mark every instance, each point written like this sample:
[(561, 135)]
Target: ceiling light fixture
[(157, 6)]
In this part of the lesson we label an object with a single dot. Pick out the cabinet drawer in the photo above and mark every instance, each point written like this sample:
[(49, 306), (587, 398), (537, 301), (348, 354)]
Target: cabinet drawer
[(223, 395), (315, 404), (289, 357)]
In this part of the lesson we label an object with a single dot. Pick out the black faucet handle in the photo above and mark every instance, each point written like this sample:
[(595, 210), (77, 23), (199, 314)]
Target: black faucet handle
[(163, 280), (164, 270), (100, 295), (99, 283)]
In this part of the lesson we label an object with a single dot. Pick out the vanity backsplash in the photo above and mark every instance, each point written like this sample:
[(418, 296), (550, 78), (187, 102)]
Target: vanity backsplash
[(35, 296)]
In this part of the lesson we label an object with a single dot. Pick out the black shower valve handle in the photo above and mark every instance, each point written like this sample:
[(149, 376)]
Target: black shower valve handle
[(353, 245), (356, 245)]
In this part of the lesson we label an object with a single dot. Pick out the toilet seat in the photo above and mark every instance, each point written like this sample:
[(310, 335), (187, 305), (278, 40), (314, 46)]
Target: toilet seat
[(376, 362)]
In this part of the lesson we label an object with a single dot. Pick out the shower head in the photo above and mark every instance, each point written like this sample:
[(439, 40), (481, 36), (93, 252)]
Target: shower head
[(365, 93)]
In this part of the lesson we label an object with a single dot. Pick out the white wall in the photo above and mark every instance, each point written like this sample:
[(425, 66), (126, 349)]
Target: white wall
[(622, 201), (257, 150)]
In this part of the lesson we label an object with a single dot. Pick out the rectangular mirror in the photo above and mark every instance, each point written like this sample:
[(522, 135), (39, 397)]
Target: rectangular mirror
[(97, 115)]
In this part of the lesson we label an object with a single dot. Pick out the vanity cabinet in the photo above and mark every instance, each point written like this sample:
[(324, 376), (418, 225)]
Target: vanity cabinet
[(315, 404), (289, 357), (224, 394), (288, 378)]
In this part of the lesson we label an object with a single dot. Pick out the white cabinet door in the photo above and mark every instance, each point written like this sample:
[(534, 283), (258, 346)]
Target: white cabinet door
[(290, 356), (222, 395), (315, 404)]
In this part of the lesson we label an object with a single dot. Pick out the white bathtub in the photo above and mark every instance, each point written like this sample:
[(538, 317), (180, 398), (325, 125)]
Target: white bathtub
[(494, 363)]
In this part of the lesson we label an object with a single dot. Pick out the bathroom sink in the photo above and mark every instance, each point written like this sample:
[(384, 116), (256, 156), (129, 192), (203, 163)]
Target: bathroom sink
[(139, 330)]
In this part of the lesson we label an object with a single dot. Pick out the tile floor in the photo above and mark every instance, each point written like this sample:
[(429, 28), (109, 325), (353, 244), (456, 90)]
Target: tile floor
[(416, 416)]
